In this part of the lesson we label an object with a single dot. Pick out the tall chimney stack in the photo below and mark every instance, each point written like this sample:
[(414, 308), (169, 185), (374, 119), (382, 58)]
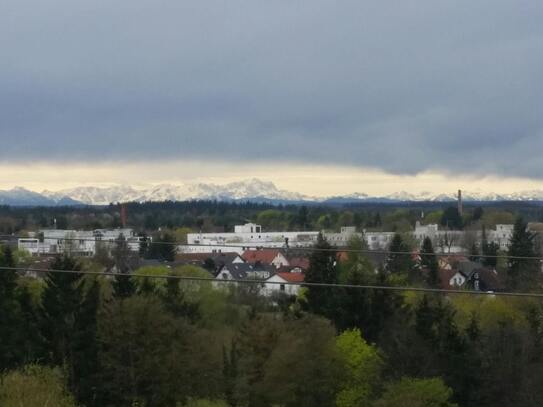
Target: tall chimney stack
[(460, 206), (124, 216)]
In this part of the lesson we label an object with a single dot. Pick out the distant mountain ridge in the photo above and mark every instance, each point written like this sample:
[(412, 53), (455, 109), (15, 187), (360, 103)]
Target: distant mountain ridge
[(252, 189)]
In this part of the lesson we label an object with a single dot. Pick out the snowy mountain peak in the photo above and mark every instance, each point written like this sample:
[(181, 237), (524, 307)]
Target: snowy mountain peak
[(250, 189)]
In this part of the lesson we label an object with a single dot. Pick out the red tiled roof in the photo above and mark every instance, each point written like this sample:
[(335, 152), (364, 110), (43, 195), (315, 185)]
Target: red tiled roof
[(292, 277), (264, 256), (302, 262), (203, 256), (445, 278)]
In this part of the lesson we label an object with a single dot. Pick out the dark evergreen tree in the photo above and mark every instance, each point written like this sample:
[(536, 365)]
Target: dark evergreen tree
[(85, 344), (523, 270), (146, 287), (163, 248), (474, 252), (31, 342), (399, 260), (10, 322), (121, 255), (303, 217), (61, 301), (123, 283), (489, 250), (477, 213), (451, 218), (428, 260), (144, 245), (230, 373), (175, 302), (209, 265), (102, 257), (490, 254), (322, 269)]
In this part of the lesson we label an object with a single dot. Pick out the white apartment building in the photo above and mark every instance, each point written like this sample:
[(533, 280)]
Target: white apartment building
[(75, 242), (501, 236), (243, 237), (250, 235)]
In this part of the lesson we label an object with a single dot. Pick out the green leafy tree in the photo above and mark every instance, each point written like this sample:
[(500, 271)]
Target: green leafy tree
[(257, 338), (417, 393), (303, 369), (362, 367), (36, 386), (176, 302)]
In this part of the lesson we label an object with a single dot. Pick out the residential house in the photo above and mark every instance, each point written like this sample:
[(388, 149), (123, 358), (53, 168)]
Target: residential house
[(288, 283), (212, 262), (245, 271), (273, 257)]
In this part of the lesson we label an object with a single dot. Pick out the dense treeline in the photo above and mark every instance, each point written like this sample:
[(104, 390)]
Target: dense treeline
[(97, 341), (222, 216)]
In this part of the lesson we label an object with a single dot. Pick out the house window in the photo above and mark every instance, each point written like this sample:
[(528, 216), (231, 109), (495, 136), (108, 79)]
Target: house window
[(224, 276), (282, 287)]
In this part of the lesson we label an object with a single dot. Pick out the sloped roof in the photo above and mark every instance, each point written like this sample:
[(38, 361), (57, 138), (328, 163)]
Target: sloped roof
[(377, 258), (240, 271), (226, 257), (445, 276), (301, 262), (292, 277), (264, 256), (489, 279)]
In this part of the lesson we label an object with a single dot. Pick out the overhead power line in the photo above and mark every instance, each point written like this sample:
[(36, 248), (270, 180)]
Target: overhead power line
[(291, 248), (262, 282)]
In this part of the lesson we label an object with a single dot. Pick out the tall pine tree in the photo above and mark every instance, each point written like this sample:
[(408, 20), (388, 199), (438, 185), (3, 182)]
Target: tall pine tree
[(123, 283), (85, 344), (489, 250), (523, 272), (428, 260), (61, 301), (9, 311), (399, 259), (322, 269)]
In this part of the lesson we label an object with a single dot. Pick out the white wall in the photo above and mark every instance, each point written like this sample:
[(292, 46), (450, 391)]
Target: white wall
[(289, 289)]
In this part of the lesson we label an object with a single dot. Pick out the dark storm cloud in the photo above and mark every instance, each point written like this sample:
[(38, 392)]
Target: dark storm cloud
[(404, 86)]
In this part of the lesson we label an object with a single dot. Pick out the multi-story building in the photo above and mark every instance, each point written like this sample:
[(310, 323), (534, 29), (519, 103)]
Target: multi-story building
[(76, 242), (244, 237), (251, 235)]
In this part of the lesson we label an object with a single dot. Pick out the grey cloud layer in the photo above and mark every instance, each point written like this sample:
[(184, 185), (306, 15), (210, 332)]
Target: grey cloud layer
[(404, 86)]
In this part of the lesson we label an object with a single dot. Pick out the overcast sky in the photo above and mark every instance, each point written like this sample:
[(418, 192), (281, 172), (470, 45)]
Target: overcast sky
[(383, 87)]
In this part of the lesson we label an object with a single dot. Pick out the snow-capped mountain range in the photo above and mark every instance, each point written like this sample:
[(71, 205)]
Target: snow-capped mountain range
[(252, 189)]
